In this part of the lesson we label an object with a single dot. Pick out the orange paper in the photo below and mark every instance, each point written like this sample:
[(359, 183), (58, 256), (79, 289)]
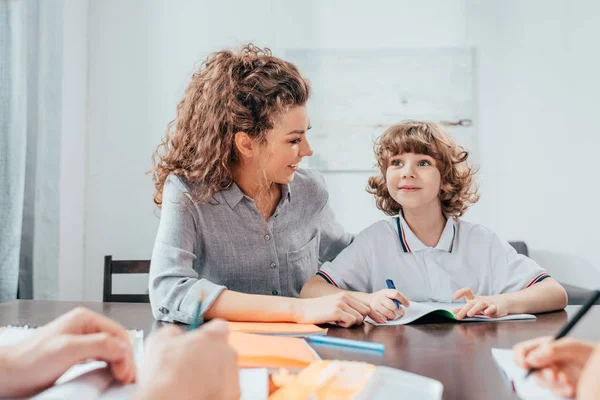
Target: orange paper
[(264, 351), (277, 328)]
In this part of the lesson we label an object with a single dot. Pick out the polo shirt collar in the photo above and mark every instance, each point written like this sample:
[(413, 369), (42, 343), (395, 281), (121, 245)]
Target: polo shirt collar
[(411, 243)]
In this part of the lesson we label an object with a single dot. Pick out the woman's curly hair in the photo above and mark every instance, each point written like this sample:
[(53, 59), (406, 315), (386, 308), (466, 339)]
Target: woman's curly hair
[(232, 92), (458, 189)]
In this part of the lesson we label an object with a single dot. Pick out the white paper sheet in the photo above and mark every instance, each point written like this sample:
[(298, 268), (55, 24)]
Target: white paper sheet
[(527, 389)]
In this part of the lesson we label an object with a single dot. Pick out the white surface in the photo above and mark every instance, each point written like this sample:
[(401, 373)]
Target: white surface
[(347, 115), (390, 383), (254, 383), (527, 389), (538, 86), (418, 310)]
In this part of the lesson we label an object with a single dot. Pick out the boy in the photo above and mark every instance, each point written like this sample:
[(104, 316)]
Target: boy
[(430, 254)]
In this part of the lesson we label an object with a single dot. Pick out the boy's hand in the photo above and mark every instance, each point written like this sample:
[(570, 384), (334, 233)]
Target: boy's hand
[(383, 307), (490, 306)]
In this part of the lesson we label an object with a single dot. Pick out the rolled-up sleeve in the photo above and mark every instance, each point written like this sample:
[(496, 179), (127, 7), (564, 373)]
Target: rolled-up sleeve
[(174, 286)]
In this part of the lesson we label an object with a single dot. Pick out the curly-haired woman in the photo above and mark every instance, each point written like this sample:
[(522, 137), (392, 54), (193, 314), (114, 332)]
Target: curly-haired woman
[(240, 223), (426, 185)]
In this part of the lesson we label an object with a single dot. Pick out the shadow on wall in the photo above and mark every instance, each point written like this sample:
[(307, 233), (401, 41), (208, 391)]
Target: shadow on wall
[(568, 268)]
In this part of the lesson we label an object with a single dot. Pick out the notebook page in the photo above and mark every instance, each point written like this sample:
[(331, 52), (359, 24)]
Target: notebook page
[(417, 310), (527, 389)]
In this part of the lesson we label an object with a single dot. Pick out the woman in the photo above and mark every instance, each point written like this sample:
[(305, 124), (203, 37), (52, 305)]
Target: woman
[(241, 224)]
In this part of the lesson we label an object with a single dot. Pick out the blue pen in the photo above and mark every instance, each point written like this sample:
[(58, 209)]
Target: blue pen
[(357, 344), (390, 285)]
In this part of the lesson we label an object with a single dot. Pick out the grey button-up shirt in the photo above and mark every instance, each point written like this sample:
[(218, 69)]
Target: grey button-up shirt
[(226, 243)]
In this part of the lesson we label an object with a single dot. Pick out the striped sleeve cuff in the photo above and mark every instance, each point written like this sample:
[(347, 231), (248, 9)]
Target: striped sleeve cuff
[(540, 277), (327, 278)]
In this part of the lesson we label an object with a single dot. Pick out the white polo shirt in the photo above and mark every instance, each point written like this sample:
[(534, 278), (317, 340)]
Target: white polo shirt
[(467, 255)]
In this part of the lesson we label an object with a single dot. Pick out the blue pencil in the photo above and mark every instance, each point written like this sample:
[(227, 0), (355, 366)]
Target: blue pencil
[(356, 344), (198, 319)]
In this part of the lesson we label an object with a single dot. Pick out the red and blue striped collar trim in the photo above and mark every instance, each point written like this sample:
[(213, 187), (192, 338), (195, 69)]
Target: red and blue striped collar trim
[(402, 237), (406, 247)]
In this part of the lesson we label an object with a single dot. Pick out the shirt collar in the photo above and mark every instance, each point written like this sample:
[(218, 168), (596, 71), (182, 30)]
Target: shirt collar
[(233, 195), (411, 243), (286, 192)]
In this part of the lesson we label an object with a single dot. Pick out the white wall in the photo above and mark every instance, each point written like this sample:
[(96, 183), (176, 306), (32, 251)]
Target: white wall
[(532, 91), (72, 150), (383, 24), (141, 56), (538, 105)]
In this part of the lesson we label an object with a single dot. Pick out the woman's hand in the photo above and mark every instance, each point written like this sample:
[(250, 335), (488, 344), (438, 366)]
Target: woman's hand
[(342, 308)]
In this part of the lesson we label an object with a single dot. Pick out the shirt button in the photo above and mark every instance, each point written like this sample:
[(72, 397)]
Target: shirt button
[(274, 292), (273, 265), (163, 310), (267, 237)]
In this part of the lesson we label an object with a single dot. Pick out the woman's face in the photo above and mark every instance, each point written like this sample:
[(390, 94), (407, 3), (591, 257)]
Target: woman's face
[(286, 146)]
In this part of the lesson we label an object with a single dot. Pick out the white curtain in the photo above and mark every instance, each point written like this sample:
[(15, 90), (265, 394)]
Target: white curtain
[(30, 126)]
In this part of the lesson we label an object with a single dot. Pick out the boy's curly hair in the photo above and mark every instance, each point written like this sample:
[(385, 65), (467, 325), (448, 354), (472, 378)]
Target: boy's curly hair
[(458, 189), (231, 92)]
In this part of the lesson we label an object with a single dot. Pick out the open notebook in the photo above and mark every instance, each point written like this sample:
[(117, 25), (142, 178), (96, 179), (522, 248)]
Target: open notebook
[(527, 389), (418, 310), (93, 381)]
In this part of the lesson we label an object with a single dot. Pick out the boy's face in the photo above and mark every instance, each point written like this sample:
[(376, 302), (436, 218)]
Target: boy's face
[(413, 180)]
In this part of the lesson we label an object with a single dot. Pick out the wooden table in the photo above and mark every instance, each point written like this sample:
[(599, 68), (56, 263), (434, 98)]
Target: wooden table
[(458, 355)]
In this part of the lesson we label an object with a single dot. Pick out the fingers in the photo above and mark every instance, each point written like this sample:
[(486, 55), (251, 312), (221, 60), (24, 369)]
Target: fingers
[(162, 336), (378, 317), (521, 350), (491, 311), (358, 318), (563, 350), (479, 306), (464, 292), (388, 308), (462, 313), (558, 380), (360, 306), (102, 346), (217, 329), (394, 294), (80, 320), (345, 319)]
